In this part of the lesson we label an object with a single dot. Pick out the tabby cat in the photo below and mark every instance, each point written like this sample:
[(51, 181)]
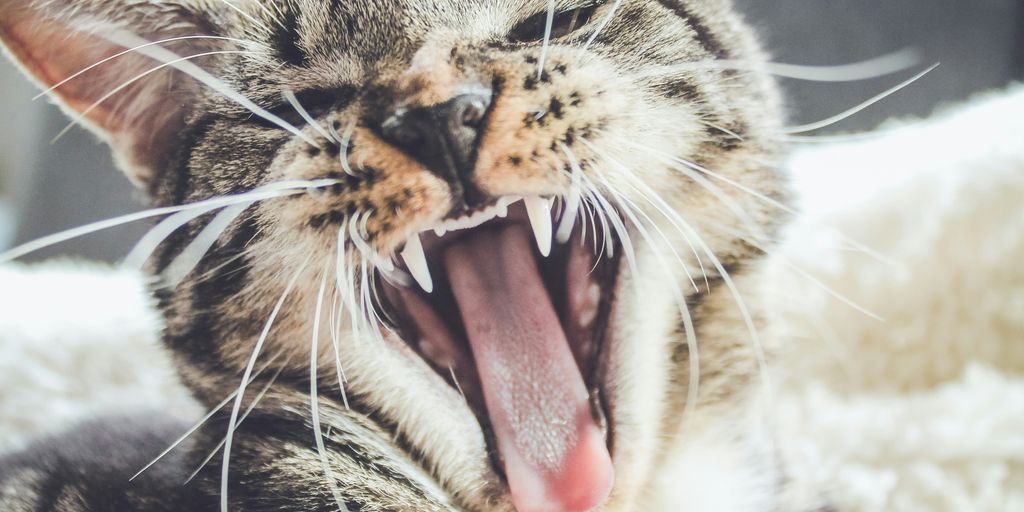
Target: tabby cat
[(432, 254)]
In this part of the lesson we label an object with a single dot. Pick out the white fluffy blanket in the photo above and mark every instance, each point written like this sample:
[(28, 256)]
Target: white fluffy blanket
[(900, 387)]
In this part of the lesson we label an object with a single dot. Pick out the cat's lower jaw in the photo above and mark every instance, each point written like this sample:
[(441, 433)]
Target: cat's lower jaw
[(522, 331)]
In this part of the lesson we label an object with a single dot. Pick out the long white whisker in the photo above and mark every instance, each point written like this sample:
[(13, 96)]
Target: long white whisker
[(290, 97), (345, 278), (198, 424), (266, 10), (872, 68), (166, 56), (233, 422), (770, 201), (255, 401), (632, 210), (608, 211), (193, 253), (80, 116), (818, 283), (246, 15), (572, 202), (93, 227), (853, 111), (85, 70), (455, 381), (656, 201), (755, 338), (314, 401), (604, 22), (547, 39), (690, 331), (336, 344), (346, 139), (607, 247), (149, 243)]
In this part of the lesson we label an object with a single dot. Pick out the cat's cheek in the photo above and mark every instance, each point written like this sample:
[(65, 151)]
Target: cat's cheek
[(543, 123), (380, 190)]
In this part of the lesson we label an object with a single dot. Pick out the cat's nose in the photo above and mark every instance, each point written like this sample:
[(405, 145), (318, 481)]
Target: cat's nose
[(443, 137)]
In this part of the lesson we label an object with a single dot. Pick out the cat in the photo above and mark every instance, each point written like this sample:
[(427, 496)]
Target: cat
[(435, 255)]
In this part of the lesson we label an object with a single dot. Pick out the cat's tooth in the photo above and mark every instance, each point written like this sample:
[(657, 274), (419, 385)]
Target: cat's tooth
[(502, 209), (385, 264), (565, 227), (414, 258), (539, 211), (440, 230)]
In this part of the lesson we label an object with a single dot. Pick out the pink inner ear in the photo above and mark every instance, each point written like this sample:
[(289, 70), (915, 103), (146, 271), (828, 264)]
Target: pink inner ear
[(50, 55), (139, 122)]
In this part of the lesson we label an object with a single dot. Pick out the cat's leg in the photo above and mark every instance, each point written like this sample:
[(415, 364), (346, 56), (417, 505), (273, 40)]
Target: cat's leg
[(88, 469), (275, 465)]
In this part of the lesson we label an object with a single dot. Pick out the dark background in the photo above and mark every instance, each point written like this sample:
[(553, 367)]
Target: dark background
[(980, 44)]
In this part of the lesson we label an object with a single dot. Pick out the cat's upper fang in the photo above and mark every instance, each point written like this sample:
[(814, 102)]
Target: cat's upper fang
[(416, 261), (539, 210)]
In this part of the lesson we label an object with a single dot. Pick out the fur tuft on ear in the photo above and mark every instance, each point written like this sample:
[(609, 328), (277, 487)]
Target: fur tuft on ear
[(135, 103)]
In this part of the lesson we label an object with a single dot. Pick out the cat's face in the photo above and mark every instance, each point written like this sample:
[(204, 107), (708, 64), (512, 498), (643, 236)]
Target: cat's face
[(543, 380)]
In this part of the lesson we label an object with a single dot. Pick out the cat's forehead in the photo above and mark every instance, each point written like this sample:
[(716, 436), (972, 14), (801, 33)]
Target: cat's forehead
[(384, 26)]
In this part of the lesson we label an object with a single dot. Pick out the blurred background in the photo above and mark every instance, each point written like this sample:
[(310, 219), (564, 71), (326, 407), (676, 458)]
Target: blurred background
[(48, 187)]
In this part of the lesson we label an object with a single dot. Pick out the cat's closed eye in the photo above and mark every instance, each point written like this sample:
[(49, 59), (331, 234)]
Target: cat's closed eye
[(564, 23), (315, 102)]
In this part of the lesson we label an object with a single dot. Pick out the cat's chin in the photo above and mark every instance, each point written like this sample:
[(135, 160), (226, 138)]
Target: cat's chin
[(513, 313)]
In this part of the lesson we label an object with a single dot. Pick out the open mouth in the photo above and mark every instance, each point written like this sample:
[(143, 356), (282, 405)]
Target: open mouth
[(517, 324)]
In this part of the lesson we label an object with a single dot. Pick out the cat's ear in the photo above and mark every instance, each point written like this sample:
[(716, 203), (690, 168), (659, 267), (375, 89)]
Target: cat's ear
[(136, 103)]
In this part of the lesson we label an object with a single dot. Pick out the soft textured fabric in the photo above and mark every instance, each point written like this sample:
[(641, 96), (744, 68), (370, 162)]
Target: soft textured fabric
[(898, 296), (920, 408)]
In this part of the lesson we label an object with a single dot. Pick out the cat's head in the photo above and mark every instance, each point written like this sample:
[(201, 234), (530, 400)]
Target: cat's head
[(444, 146)]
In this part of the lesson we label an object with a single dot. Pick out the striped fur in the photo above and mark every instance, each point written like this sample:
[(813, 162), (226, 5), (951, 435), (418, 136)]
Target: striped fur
[(406, 440)]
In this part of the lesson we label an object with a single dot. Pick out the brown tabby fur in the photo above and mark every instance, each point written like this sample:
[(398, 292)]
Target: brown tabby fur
[(407, 441)]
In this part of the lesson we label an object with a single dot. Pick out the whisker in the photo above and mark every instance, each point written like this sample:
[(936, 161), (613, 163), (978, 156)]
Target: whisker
[(233, 422), (247, 16), (294, 101), (572, 203), (199, 423), (59, 84), (455, 381), (656, 201), (604, 22), (817, 282), (346, 139), (862, 106), (80, 116), (93, 227), (161, 54), (723, 130), (631, 210), (345, 277), (145, 247), (266, 10), (193, 253), (843, 137), (358, 234), (871, 68), (335, 322), (213, 272), (683, 165), (690, 331), (252, 406), (314, 401), (547, 39)]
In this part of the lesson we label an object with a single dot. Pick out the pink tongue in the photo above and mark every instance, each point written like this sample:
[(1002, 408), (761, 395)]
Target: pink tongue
[(554, 452)]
